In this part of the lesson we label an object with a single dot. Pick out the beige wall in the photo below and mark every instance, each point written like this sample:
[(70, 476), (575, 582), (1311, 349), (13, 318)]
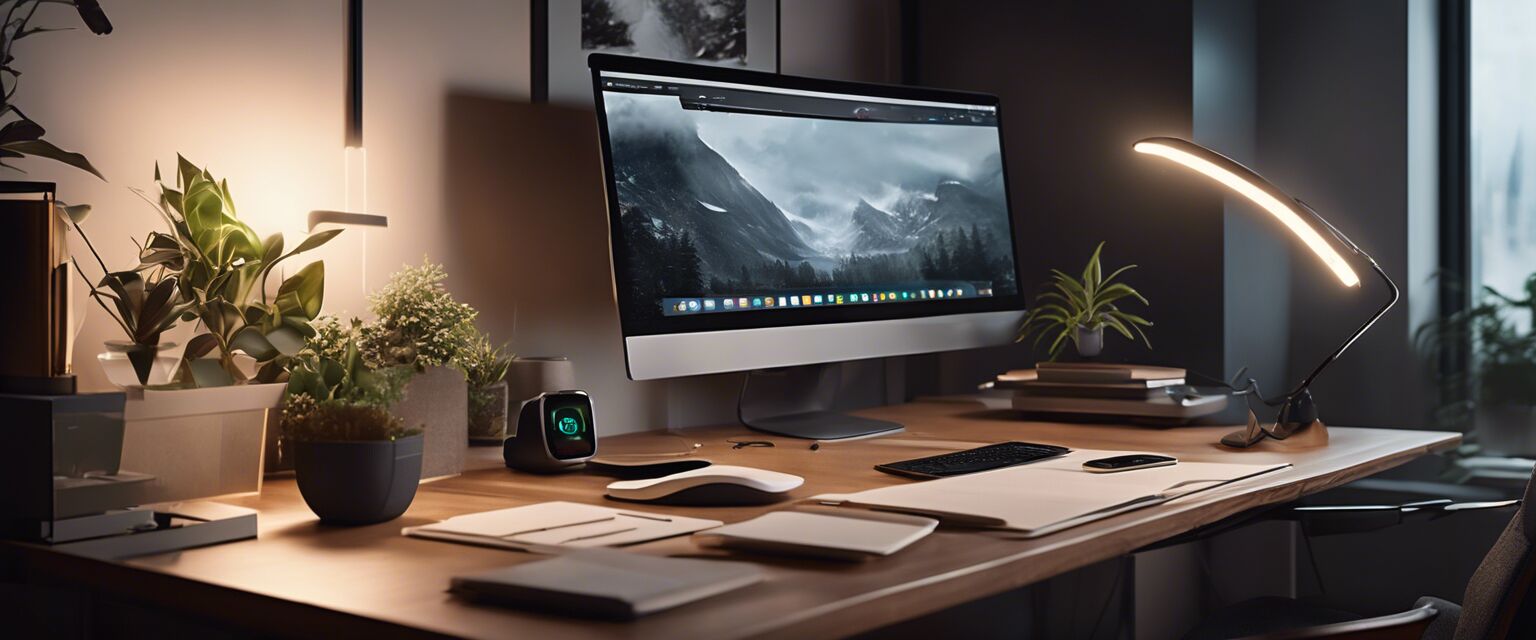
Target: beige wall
[(506, 195)]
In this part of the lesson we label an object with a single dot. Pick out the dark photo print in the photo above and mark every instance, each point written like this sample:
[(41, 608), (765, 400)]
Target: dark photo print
[(689, 30)]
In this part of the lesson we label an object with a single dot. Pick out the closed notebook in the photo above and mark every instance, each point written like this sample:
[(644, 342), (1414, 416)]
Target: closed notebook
[(606, 583), (551, 526), (1093, 372), (1049, 495), (850, 535), (1162, 406)]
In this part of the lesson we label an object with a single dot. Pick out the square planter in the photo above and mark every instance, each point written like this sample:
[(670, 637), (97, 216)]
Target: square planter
[(437, 402), (198, 443)]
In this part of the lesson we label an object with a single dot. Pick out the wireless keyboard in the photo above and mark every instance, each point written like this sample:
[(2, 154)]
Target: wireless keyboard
[(992, 456)]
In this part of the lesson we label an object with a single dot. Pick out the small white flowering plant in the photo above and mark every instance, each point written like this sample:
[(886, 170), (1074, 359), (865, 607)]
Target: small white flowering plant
[(418, 323)]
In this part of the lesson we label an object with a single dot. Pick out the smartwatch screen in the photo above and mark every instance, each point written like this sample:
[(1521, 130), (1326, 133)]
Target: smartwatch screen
[(568, 425)]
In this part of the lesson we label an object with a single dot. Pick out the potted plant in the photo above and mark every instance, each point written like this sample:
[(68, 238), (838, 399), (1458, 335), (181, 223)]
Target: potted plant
[(1496, 396), (145, 305), (418, 324), (354, 461), (1078, 310), (37, 341), (249, 325), (223, 267), (485, 367)]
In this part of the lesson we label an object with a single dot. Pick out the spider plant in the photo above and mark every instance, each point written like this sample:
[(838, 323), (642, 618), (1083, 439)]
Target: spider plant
[(1078, 309)]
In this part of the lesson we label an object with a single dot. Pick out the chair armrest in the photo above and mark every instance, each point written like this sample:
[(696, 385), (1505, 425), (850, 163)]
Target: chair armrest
[(1406, 625)]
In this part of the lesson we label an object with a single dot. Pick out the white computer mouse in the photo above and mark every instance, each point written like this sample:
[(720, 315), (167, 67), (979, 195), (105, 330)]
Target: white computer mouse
[(715, 485)]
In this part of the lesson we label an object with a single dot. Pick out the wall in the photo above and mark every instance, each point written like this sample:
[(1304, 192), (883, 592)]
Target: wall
[(1083, 82), (1255, 246), (1346, 123), (253, 91)]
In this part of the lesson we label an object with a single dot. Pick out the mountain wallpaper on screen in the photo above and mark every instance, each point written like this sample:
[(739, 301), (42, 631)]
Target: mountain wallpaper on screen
[(733, 204)]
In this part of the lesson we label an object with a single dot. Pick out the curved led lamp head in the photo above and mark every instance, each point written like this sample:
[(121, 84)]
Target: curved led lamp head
[(1297, 410)]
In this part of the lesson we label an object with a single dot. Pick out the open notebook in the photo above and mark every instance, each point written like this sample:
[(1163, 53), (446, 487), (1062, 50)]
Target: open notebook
[(1050, 495)]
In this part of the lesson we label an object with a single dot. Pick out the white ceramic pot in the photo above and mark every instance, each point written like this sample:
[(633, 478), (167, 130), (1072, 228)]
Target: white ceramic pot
[(198, 443), (130, 366)]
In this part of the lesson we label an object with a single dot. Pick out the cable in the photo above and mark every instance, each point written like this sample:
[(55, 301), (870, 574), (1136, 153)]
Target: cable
[(1317, 573), (1109, 599)]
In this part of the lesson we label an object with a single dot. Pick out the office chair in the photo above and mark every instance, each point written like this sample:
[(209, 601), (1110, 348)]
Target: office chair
[(1498, 603)]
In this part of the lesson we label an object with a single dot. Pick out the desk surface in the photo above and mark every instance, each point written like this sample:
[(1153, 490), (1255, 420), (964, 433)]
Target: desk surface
[(299, 575)]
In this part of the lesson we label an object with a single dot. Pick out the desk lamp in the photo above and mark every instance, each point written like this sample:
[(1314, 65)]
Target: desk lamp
[(1297, 410)]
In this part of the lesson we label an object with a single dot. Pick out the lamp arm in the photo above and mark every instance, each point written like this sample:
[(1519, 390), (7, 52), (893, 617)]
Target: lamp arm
[(1395, 294)]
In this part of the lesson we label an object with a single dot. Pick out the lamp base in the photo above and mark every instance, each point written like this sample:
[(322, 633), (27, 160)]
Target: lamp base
[(1296, 423)]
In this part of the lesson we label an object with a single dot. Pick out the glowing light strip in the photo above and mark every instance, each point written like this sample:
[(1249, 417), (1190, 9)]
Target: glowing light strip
[(1259, 196)]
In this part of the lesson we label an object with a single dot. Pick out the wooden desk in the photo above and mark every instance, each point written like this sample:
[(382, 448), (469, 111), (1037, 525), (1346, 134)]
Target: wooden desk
[(300, 578)]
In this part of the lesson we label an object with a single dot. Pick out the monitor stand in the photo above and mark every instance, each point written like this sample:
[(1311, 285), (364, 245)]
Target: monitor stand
[(796, 402)]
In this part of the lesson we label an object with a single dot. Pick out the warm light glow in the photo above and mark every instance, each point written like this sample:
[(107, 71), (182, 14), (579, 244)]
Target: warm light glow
[(1284, 212), (356, 196)]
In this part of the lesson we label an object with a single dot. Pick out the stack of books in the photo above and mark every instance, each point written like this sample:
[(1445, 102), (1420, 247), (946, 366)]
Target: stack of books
[(1088, 389)]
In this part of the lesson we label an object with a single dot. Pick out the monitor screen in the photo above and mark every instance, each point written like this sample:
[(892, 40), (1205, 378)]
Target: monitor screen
[(747, 205)]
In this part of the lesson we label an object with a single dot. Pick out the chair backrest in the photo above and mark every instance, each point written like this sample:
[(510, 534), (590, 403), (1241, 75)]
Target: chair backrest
[(1499, 602)]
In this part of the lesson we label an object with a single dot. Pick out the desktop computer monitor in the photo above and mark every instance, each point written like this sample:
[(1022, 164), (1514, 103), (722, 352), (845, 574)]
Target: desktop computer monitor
[(762, 221)]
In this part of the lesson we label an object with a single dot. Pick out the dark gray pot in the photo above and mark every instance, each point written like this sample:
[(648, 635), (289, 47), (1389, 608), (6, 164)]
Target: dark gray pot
[(358, 482)]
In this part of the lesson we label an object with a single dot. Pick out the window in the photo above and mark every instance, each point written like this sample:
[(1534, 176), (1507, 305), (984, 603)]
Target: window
[(1502, 143), (1493, 323)]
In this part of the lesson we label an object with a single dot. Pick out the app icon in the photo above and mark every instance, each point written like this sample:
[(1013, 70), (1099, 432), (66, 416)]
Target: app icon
[(728, 303), (863, 297), (805, 300), (709, 305), (757, 302), (794, 301), (880, 297), (768, 302), (741, 302), (839, 298), (930, 293), (816, 299), (781, 301), (693, 305), (568, 421)]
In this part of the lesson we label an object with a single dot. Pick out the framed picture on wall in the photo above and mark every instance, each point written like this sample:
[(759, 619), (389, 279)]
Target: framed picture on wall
[(735, 33)]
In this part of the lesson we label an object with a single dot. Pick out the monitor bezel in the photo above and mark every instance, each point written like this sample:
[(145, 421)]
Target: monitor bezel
[(793, 316)]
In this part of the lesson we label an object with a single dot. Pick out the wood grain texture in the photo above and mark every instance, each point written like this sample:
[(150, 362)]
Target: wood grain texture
[(300, 577)]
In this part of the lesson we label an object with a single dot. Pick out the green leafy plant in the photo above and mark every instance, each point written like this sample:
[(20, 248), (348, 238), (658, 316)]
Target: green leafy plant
[(1500, 332), (21, 136), (343, 399), (419, 323), (222, 267), (145, 305), (1091, 303), (484, 363)]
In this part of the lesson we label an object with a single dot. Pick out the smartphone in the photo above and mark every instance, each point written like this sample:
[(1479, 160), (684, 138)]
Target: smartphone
[(1128, 463)]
